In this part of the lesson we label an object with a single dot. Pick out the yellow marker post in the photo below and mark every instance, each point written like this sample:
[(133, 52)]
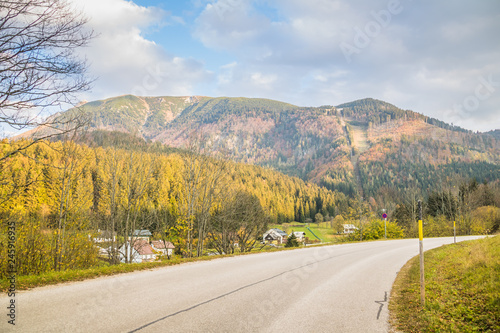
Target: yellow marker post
[(420, 231), (454, 233), (421, 250)]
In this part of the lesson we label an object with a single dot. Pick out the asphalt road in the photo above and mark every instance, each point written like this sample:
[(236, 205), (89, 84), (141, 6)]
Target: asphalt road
[(341, 288)]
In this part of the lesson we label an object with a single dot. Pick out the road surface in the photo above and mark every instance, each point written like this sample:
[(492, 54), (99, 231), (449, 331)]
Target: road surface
[(340, 288)]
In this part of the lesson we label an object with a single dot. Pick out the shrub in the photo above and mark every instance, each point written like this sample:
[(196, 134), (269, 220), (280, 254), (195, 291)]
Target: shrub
[(292, 241), (375, 230)]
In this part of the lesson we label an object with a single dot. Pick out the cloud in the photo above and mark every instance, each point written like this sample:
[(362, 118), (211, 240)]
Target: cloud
[(425, 56), (125, 61), (229, 24)]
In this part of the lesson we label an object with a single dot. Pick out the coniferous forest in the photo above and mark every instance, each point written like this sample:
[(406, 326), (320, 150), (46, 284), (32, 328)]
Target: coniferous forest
[(61, 195)]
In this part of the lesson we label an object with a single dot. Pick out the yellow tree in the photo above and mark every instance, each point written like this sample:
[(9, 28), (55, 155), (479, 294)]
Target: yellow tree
[(137, 176), (72, 187)]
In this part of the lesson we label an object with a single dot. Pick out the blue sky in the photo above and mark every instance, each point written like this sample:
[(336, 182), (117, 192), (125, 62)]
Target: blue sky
[(439, 58)]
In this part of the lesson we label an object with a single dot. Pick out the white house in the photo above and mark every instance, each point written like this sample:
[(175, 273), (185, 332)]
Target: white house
[(140, 251), (165, 248), (275, 235), (349, 228), (300, 235)]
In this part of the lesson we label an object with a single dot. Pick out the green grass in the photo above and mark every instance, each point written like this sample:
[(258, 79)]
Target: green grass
[(462, 290), (308, 233), (24, 282), (322, 232)]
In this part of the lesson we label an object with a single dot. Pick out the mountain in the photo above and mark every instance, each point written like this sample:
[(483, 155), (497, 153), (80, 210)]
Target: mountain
[(364, 148)]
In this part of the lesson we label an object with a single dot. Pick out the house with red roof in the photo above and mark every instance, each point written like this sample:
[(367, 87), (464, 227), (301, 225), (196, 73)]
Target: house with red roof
[(163, 247), (138, 251)]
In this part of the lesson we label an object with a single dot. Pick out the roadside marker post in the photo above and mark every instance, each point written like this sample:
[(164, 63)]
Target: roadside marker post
[(454, 233), (385, 223), (421, 250)]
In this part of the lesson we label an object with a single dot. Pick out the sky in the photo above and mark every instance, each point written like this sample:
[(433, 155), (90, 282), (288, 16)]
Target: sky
[(439, 58)]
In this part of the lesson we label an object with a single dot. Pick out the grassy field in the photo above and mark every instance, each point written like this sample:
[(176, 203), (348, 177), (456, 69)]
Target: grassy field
[(462, 290), (322, 230)]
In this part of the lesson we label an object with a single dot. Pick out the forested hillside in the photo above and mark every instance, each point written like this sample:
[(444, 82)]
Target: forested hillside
[(361, 148), (416, 154), (495, 133), (58, 195)]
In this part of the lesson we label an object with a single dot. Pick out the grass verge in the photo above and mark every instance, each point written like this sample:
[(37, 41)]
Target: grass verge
[(462, 290), (25, 282)]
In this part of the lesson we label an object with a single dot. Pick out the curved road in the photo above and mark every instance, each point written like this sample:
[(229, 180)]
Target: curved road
[(340, 288)]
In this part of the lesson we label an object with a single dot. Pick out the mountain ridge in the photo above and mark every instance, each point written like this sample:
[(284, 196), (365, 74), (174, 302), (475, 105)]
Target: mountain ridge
[(351, 147)]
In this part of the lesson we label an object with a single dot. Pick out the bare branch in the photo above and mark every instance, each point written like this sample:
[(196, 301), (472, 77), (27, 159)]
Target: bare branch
[(39, 69)]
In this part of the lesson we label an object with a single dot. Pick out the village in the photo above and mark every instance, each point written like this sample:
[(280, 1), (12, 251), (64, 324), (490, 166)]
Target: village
[(140, 246)]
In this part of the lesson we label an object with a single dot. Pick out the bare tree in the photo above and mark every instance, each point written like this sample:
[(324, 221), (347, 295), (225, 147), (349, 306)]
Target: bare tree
[(466, 199), (223, 229), (212, 188), (191, 179), (203, 181), (239, 219), (410, 202), (112, 168), (127, 181), (39, 70), (137, 174), (73, 195), (252, 220)]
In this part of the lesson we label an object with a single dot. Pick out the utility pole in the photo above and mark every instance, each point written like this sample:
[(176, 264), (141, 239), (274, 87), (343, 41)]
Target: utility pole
[(421, 250)]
